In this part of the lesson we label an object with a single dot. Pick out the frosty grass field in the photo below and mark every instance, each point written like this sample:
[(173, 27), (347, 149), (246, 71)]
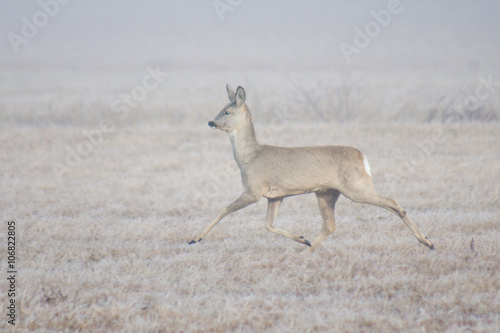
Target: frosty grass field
[(108, 167), (103, 245)]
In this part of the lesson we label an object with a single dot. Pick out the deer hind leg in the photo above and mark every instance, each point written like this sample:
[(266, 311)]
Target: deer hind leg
[(272, 210), (363, 192), (326, 202)]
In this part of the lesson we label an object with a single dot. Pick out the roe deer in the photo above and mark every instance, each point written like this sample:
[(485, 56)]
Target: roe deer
[(279, 172)]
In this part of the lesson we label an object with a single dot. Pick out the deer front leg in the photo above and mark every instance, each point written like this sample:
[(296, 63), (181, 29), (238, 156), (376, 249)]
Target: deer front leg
[(272, 210), (244, 200)]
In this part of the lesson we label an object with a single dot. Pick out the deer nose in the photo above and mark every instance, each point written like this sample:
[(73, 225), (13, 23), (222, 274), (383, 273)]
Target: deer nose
[(211, 124)]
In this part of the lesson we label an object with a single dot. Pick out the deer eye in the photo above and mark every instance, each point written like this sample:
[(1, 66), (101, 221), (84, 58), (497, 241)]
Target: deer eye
[(227, 113)]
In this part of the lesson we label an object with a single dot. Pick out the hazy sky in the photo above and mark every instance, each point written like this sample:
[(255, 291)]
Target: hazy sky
[(251, 34)]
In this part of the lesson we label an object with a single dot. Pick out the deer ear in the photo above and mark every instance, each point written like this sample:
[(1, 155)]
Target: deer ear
[(230, 94), (240, 96)]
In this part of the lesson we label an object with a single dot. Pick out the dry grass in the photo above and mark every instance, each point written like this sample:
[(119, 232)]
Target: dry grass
[(104, 247)]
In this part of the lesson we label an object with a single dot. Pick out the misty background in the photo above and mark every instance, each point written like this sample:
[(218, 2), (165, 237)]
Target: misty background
[(286, 54)]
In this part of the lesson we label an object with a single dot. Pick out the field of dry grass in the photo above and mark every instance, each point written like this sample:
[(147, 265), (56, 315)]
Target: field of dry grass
[(108, 167), (103, 247)]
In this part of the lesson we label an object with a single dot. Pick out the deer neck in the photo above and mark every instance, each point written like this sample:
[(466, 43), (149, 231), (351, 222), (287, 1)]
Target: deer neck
[(244, 143)]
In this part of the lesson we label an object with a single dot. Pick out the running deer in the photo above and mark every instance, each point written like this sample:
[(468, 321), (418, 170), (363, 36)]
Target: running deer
[(279, 172)]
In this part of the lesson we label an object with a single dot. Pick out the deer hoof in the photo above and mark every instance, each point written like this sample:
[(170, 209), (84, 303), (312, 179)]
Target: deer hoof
[(193, 241), (432, 245), (307, 243)]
